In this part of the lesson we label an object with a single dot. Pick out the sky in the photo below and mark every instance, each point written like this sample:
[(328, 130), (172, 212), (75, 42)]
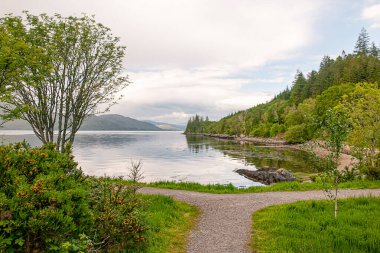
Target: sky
[(215, 57)]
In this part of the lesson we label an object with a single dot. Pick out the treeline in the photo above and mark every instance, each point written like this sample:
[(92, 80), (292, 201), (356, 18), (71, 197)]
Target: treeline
[(296, 113)]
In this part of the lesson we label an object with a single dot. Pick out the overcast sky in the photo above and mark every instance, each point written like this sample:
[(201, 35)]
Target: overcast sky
[(214, 57)]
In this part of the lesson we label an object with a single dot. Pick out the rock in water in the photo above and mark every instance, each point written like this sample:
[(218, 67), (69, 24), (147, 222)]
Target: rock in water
[(267, 175)]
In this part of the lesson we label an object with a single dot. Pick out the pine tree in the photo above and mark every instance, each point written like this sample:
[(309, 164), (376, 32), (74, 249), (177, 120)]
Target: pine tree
[(298, 89), (362, 44), (374, 50)]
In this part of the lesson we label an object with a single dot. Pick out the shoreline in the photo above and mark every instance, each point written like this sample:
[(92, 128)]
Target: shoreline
[(256, 140), (345, 160)]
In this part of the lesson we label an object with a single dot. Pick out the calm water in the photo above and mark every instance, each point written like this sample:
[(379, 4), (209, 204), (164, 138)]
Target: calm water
[(172, 156)]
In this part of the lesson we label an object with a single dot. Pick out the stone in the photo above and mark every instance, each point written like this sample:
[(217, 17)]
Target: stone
[(267, 175)]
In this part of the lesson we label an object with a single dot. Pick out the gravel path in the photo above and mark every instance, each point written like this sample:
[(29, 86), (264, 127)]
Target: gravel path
[(224, 225)]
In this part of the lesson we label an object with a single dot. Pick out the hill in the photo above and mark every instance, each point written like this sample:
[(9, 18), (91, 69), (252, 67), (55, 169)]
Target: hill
[(293, 113), (167, 126), (115, 122), (108, 122)]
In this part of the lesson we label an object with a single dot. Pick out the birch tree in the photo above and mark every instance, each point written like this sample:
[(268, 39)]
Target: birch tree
[(335, 129)]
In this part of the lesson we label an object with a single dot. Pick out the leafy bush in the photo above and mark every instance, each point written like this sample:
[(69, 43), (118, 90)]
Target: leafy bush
[(374, 173), (48, 205), (365, 166), (296, 134), (116, 216), (275, 129)]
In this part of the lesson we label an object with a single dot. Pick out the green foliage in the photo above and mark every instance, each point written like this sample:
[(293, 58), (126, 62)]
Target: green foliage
[(296, 134), (300, 122), (362, 106), (10, 58), (58, 70), (276, 129), (117, 218), (331, 98), (48, 205), (300, 90), (308, 226), (335, 131), (196, 124)]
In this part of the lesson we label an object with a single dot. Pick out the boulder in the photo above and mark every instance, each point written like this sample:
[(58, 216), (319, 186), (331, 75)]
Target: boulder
[(267, 175)]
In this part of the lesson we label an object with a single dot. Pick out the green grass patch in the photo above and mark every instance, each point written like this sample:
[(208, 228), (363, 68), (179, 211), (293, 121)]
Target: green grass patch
[(310, 226), (168, 223), (285, 186)]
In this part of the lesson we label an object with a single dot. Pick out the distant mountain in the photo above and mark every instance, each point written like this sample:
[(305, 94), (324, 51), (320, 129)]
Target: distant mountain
[(16, 125), (107, 122), (115, 122), (167, 126)]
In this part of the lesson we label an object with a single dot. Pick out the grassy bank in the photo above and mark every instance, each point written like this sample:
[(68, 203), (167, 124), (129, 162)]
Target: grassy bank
[(286, 186), (310, 226), (168, 223)]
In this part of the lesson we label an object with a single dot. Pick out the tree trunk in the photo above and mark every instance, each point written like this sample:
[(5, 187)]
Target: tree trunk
[(336, 197)]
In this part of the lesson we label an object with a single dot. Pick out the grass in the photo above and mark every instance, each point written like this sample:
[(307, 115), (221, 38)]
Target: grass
[(310, 226), (285, 186), (168, 222)]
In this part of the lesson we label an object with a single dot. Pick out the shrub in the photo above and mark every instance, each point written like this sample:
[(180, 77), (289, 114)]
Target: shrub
[(47, 204), (374, 173), (117, 219), (365, 167), (296, 134), (276, 129)]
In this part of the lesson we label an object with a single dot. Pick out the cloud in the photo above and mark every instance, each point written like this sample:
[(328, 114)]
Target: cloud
[(184, 57), (203, 33), (372, 13), (175, 94), (181, 33)]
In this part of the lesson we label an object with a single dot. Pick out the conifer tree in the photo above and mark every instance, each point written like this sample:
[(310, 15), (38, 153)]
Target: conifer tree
[(374, 50), (362, 44)]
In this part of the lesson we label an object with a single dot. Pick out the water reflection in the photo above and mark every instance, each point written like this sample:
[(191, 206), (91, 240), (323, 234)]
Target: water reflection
[(256, 155), (171, 156), (197, 144), (114, 139)]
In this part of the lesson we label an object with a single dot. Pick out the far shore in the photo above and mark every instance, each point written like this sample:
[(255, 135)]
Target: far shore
[(345, 161)]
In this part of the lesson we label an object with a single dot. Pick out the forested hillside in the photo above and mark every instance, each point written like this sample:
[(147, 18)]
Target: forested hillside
[(349, 82)]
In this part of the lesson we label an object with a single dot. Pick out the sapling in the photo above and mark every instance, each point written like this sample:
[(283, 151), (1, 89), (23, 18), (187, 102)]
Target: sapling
[(135, 175), (335, 130)]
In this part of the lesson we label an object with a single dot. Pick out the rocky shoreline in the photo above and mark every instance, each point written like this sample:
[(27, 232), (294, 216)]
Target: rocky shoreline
[(256, 140)]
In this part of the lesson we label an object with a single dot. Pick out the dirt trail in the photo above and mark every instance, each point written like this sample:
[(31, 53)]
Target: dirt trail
[(224, 225)]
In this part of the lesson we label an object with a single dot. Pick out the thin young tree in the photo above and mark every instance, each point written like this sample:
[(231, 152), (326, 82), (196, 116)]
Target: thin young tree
[(79, 74), (135, 175), (335, 130)]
